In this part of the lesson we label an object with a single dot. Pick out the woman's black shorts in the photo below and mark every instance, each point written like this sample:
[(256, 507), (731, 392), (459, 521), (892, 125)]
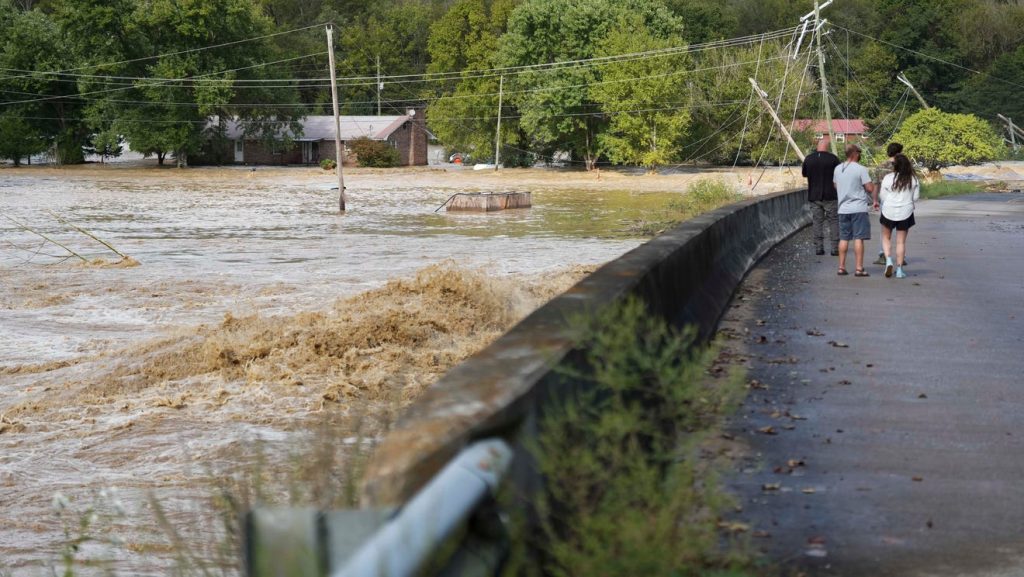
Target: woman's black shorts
[(897, 224)]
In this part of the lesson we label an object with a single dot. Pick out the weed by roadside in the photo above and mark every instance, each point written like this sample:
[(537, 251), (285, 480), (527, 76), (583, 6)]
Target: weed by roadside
[(944, 188), (627, 492), (702, 196)]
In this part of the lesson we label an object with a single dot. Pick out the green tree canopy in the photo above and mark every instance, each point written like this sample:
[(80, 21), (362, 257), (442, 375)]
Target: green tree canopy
[(645, 101), (557, 108), (938, 139)]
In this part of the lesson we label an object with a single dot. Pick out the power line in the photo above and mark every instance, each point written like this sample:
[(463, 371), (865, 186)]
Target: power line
[(441, 76), (176, 53), (935, 58)]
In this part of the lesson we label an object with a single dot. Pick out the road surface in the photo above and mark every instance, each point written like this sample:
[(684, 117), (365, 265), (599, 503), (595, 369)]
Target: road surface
[(884, 434)]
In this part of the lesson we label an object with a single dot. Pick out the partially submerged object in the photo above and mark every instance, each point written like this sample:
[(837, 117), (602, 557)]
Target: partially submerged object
[(488, 201)]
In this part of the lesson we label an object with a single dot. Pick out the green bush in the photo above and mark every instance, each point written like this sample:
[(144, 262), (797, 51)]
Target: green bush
[(374, 153), (328, 164), (626, 494), (938, 139), (703, 196)]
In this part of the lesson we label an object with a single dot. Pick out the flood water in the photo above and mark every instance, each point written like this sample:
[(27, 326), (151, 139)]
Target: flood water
[(210, 242)]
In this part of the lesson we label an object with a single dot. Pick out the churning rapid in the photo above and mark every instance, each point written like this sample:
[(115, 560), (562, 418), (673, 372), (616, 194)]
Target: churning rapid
[(255, 307)]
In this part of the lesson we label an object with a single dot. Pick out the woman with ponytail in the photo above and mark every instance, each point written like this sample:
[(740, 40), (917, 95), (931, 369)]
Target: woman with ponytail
[(900, 190)]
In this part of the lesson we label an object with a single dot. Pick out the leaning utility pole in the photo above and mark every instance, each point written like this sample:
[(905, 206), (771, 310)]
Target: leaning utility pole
[(1013, 129), (497, 133), (339, 152), (380, 85), (818, 25), (763, 97), (902, 78)]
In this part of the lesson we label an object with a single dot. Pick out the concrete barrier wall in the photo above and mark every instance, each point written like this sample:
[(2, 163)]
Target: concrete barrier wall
[(687, 275)]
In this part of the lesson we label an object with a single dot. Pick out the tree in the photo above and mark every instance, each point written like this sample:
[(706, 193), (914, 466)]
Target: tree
[(394, 33), (998, 91), (48, 103), (938, 139), (705, 20), (18, 139), (644, 99), (556, 107), (106, 144), (194, 93), (464, 114)]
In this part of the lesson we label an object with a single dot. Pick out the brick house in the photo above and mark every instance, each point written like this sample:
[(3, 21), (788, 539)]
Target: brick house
[(852, 130), (406, 133)]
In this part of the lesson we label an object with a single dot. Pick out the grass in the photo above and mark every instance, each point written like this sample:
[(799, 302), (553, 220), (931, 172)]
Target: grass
[(702, 196), (627, 492), (944, 188)]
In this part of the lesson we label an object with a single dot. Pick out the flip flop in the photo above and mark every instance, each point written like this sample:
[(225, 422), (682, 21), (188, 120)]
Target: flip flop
[(860, 272), (842, 272)]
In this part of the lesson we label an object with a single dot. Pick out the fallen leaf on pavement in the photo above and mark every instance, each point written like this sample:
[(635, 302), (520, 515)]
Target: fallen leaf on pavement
[(922, 396), (771, 486), (839, 345), (734, 527), (918, 479), (808, 490), (767, 430), (845, 382), (756, 384), (815, 333)]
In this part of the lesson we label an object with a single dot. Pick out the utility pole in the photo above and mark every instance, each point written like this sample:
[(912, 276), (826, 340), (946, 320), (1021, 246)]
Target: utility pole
[(763, 97), (380, 85), (902, 78), (339, 152), (497, 133), (1013, 129), (818, 25)]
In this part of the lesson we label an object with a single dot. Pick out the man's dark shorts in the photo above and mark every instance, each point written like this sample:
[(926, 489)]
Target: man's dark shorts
[(856, 226)]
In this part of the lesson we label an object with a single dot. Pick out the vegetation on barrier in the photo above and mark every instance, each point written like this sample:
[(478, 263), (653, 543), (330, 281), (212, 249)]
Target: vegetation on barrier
[(702, 196), (626, 490)]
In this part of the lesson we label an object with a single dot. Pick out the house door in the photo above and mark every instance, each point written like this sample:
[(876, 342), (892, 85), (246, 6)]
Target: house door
[(239, 151)]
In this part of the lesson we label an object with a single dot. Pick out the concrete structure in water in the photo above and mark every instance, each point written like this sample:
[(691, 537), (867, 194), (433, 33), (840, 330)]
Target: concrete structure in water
[(406, 133), (489, 201)]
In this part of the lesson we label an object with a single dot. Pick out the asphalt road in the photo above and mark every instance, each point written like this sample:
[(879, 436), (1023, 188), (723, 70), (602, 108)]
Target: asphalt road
[(884, 434)]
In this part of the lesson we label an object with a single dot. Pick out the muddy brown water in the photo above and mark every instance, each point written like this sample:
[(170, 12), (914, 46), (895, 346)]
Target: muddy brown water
[(96, 389)]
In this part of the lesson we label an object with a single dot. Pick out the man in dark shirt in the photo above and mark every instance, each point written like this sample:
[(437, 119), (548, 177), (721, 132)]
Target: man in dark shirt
[(819, 167)]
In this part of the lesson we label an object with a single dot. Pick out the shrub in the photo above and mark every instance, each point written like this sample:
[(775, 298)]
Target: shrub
[(703, 196), (938, 139), (374, 153), (625, 493), (328, 164)]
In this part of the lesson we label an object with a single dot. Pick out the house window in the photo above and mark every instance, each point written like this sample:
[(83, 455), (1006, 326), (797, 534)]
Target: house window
[(840, 137)]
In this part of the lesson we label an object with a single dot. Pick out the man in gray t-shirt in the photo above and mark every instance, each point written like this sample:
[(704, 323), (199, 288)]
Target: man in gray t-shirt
[(857, 195)]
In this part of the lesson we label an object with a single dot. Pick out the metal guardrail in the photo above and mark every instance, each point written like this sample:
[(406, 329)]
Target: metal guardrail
[(300, 543)]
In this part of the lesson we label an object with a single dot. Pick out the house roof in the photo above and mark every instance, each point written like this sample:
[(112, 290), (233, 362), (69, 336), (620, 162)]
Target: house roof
[(851, 126), (352, 127)]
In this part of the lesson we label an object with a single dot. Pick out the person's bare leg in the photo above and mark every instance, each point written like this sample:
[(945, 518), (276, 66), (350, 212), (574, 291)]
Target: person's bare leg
[(843, 245), (858, 253), (887, 242), (901, 246)]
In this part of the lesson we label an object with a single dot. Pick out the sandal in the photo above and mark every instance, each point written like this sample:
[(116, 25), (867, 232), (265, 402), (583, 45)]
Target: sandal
[(860, 272), (842, 272)]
